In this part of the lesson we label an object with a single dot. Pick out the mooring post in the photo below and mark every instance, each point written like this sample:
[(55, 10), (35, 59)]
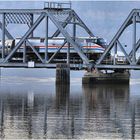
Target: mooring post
[(62, 73)]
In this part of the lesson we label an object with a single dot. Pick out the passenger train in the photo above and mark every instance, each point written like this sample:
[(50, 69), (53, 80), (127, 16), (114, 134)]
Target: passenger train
[(86, 45), (91, 46)]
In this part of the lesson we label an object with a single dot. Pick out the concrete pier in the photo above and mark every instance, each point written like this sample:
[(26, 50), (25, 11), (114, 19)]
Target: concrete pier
[(62, 95), (62, 73), (96, 76)]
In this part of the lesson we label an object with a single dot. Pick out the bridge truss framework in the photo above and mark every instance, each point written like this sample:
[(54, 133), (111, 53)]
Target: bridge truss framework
[(55, 13), (131, 61)]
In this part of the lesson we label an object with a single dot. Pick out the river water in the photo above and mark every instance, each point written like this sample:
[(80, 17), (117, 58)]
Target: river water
[(31, 106)]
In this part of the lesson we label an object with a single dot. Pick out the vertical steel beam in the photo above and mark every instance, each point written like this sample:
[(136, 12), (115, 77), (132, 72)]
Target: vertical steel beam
[(74, 29), (46, 39), (31, 24), (24, 52), (3, 35), (117, 35), (64, 24), (115, 53), (134, 40), (35, 51), (9, 36), (83, 24), (137, 47), (56, 52), (68, 53), (40, 18), (68, 37), (123, 50)]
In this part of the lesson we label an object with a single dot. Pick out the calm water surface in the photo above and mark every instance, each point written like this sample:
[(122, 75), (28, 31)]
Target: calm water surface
[(31, 106)]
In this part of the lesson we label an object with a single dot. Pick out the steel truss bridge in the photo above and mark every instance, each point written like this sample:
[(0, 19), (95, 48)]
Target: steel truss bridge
[(131, 61), (61, 15)]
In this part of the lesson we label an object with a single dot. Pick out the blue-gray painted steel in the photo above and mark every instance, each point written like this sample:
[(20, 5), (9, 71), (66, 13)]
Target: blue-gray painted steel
[(34, 50), (68, 38), (41, 17), (126, 55), (117, 35), (3, 35), (24, 52), (64, 24), (24, 16), (56, 52), (134, 40), (46, 39), (9, 36), (68, 54)]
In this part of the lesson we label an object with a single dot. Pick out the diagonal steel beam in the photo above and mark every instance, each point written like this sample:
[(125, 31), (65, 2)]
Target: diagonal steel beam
[(64, 24), (37, 22), (56, 52), (137, 47), (138, 60), (138, 17), (82, 24), (34, 50), (118, 34), (138, 42), (68, 38), (134, 40), (9, 36), (123, 50)]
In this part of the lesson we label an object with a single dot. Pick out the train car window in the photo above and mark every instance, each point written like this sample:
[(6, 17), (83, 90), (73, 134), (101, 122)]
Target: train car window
[(42, 40), (102, 42)]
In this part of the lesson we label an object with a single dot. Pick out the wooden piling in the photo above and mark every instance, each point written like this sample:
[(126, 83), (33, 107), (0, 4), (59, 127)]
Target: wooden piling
[(62, 73)]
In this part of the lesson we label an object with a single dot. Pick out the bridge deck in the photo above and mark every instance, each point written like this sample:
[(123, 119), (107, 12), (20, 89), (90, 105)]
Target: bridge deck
[(38, 65)]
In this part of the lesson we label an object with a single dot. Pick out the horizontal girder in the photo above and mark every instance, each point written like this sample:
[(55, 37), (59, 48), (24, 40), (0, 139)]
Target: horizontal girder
[(122, 66)]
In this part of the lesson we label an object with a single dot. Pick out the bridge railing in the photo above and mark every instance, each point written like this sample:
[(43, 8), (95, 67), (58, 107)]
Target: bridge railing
[(118, 60)]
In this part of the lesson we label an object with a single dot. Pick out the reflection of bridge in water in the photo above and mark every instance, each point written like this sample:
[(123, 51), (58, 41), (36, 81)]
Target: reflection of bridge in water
[(61, 15), (102, 111)]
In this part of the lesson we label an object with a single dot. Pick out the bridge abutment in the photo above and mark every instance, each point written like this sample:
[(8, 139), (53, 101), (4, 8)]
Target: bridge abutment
[(97, 76), (63, 73)]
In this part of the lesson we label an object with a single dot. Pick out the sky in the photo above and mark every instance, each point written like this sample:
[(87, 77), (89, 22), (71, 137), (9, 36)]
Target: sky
[(102, 17)]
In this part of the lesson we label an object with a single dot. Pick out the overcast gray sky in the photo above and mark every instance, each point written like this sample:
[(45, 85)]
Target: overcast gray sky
[(103, 17)]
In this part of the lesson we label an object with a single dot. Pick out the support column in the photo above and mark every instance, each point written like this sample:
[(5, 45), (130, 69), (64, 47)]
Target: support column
[(115, 53), (134, 40), (46, 41), (74, 29), (68, 54), (62, 73), (31, 24), (3, 35), (24, 52)]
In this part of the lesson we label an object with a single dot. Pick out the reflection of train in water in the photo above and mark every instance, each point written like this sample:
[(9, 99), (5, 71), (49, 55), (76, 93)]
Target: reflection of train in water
[(87, 45)]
